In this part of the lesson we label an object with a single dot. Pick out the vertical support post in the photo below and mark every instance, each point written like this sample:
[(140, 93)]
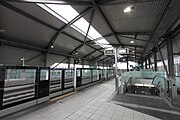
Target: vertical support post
[(116, 72), (151, 66), (170, 58), (135, 55), (155, 61), (103, 64), (23, 59), (89, 65), (82, 63), (149, 61), (127, 64), (44, 59), (75, 77), (162, 59), (171, 67), (69, 59), (145, 63)]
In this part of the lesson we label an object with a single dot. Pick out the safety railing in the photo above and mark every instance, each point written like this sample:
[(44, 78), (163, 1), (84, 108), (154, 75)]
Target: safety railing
[(163, 85), (140, 82), (86, 76), (19, 85), (24, 86), (178, 85)]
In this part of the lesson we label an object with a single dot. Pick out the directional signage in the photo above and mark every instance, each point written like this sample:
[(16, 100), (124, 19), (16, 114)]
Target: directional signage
[(109, 52), (123, 51)]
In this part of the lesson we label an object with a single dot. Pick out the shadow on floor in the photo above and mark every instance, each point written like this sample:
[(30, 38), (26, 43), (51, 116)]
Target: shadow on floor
[(153, 106)]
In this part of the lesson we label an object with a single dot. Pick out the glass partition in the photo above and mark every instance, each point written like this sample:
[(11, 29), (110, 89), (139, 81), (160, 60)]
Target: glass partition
[(110, 73), (19, 84), (55, 80), (68, 79), (145, 82), (44, 74), (178, 85), (86, 76), (95, 75)]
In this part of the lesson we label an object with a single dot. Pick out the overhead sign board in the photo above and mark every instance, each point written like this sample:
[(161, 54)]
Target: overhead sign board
[(109, 52), (123, 51)]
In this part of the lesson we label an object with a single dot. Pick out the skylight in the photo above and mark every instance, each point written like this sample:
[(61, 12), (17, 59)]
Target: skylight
[(66, 13)]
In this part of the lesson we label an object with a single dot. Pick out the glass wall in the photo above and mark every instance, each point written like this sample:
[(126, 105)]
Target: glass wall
[(55, 80), (68, 78), (19, 85), (86, 76), (95, 75)]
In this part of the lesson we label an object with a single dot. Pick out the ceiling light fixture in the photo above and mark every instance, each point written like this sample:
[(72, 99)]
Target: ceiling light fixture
[(132, 41), (133, 51), (76, 53), (1, 30), (128, 9), (52, 46)]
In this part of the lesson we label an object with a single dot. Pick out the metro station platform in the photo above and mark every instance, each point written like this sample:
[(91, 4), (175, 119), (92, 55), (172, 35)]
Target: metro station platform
[(99, 102)]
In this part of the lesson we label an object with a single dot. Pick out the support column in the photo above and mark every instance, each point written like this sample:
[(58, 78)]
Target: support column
[(170, 58), (69, 59), (127, 64), (149, 61), (82, 63), (155, 61), (116, 72), (171, 67), (44, 59), (103, 64), (135, 55), (145, 63)]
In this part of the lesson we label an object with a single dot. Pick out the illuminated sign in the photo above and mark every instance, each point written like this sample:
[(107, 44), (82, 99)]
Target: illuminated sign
[(123, 51), (109, 52)]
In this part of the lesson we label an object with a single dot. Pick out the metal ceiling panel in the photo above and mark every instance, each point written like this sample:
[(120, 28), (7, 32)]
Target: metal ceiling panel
[(22, 29), (84, 50), (99, 24), (103, 57), (135, 24), (144, 37), (75, 33), (39, 13), (140, 49), (51, 59), (166, 24), (176, 2), (112, 40), (79, 8), (143, 18), (176, 44), (12, 56), (97, 53), (65, 44), (127, 41), (96, 46)]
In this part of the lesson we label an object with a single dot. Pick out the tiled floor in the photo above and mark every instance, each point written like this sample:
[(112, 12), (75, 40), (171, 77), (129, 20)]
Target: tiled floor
[(90, 104)]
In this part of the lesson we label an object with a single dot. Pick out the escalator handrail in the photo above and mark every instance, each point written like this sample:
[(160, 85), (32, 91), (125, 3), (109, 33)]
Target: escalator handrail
[(154, 79)]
